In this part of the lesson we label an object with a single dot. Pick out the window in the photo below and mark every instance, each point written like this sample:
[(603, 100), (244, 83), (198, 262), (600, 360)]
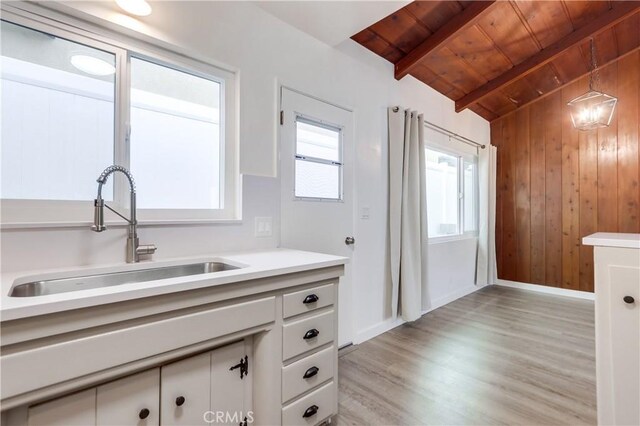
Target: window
[(53, 113), (73, 105), (318, 162), (175, 138), (452, 194)]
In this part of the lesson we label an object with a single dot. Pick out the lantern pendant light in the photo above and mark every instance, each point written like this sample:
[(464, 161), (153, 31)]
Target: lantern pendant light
[(593, 109)]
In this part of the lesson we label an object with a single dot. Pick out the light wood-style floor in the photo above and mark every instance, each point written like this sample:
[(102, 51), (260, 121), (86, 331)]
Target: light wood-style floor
[(497, 356)]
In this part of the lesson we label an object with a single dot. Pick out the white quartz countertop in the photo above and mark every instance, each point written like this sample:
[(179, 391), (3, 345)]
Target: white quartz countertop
[(612, 239), (253, 265)]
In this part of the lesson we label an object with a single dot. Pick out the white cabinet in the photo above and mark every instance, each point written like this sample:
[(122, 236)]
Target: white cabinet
[(186, 391), (309, 355), (231, 381), (211, 387), (617, 289), (132, 400), (75, 409)]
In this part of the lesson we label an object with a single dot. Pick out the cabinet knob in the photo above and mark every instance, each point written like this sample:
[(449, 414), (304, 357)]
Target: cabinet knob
[(180, 400), (144, 413), (312, 298), (311, 411), (311, 372), (628, 299), (311, 334)]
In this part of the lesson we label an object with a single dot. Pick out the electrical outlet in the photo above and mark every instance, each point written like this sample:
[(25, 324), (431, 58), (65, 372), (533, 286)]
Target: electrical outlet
[(263, 227)]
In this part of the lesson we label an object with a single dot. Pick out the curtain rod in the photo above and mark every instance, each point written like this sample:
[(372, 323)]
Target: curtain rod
[(448, 133)]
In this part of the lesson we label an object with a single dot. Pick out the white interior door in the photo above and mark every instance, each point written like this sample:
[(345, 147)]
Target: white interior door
[(316, 170)]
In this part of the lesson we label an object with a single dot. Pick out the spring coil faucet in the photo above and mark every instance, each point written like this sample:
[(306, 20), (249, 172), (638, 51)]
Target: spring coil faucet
[(134, 249)]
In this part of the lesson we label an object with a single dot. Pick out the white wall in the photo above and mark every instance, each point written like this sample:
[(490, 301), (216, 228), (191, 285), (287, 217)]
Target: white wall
[(267, 52)]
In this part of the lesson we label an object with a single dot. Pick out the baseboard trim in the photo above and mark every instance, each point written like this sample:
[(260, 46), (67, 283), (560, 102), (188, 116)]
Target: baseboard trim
[(548, 290), (391, 323), (377, 329), (437, 303)]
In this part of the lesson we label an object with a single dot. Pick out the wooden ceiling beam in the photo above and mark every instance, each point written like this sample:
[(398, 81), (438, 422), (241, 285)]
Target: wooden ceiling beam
[(468, 17), (621, 10)]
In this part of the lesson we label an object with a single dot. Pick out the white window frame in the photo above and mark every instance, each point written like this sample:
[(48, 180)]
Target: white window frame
[(24, 213), (461, 234), (340, 163)]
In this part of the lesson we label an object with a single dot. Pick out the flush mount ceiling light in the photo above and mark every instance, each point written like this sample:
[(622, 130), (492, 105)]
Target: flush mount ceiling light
[(593, 109), (135, 7), (92, 65)]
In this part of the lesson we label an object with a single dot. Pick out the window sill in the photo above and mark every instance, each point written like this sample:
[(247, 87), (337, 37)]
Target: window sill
[(118, 224), (451, 238)]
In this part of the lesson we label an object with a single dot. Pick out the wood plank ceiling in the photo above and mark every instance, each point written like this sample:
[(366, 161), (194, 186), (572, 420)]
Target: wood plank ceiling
[(494, 57)]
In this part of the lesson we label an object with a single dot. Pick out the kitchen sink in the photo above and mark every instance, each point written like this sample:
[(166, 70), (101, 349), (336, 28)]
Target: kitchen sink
[(67, 284)]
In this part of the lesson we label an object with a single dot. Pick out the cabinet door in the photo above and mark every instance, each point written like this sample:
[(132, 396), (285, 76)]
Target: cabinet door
[(625, 343), (230, 393), (133, 400), (75, 409), (185, 396)]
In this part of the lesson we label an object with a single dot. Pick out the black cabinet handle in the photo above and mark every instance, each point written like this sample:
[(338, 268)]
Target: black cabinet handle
[(311, 334), (144, 413), (310, 372), (628, 299), (312, 298), (311, 411), (180, 400)]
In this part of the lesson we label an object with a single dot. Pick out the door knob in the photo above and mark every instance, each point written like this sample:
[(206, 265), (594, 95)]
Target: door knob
[(349, 241)]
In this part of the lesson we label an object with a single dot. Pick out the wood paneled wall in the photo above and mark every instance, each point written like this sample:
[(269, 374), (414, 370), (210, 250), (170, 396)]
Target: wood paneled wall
[(556, 184)]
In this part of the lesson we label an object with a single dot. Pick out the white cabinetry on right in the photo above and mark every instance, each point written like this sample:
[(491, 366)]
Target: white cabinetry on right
[(617, 292)]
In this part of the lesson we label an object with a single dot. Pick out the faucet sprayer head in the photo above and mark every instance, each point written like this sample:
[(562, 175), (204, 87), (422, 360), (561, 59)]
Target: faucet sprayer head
[(98, 215)]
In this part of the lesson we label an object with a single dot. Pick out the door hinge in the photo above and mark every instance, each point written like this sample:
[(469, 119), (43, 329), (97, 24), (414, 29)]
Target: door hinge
[(281, 117), (243, 365), (244, 422)]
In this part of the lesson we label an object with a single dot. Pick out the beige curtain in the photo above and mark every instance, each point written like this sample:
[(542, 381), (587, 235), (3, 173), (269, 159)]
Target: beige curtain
[(407, 212), (486, 270)]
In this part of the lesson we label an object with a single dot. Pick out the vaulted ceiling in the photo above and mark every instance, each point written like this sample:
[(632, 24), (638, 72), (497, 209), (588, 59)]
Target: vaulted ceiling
[(496, 56)]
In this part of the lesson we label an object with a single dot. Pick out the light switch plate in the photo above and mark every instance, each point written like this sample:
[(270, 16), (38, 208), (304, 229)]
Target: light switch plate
[(263, 227), (365, 213)]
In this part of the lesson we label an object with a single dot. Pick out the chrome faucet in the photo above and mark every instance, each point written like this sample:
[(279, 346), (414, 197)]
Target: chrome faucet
[(134, 249)]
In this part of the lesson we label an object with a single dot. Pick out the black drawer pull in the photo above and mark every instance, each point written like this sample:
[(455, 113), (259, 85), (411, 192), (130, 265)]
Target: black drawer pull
[(312, 298), (311, 411), (144, 413), (310, 372), (311, 334), (628, 299), (180, 400)]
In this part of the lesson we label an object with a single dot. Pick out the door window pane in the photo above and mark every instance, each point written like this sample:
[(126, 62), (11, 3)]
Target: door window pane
[(317, 180), (317, 142), (57, 116), (318, 161), (175, 138), (442, 193)]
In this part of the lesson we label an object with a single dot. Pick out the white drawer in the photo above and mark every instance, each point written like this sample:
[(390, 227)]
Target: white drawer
[(307, 300), (307, 373), (316, 406), (298, 336)]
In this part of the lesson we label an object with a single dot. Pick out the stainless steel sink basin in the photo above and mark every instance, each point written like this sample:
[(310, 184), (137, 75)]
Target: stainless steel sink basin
[(63, 285)]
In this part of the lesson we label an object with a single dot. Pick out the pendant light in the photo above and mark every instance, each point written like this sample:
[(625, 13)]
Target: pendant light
[(593, 109)]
